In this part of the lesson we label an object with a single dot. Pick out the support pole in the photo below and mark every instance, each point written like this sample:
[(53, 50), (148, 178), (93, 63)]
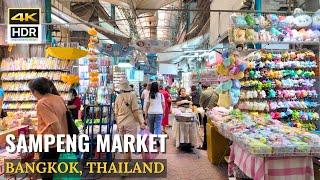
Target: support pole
[(48, 20), (258, 7)]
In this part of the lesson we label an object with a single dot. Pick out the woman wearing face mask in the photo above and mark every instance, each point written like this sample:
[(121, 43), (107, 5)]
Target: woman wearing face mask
[(51, 114), (74, 104), (183, 100)]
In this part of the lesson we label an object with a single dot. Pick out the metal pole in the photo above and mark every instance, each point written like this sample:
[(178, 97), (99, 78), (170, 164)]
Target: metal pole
[(48, 20), (258, 7), (220, 10)]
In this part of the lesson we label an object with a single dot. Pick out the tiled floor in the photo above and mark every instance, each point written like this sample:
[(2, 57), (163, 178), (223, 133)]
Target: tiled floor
[(186, 166)]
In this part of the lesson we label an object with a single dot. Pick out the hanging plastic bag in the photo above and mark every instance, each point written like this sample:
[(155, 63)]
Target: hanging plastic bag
[(147, 156)]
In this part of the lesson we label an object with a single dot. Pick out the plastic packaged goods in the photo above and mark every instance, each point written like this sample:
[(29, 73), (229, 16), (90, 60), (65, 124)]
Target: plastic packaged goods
[(264, 136)]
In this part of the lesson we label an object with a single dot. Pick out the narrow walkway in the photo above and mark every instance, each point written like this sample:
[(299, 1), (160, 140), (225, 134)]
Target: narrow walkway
[(186, 166)]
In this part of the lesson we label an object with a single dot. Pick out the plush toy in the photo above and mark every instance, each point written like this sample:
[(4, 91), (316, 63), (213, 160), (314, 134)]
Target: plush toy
[(263, 22), (301, 20), (305, 34), (275, 33), (251, 35), (224, 99), (264, 36), (239, 21), (273, 18), (316, 20), (250, 20), (239, 35)]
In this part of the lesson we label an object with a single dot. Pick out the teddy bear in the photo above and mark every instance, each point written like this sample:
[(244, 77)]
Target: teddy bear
[(273, 18), (316, 20), (301, 20), (250, 20), (239, 35), (251, 35), (239, 21), (263, 22), (264, 36)]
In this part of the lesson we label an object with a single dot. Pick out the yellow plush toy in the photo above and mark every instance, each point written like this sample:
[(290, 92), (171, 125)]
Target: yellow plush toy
[(224, 99), (221, 70)]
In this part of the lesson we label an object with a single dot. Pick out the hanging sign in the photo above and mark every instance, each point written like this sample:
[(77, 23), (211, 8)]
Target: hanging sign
[(150, 46), (24, 26), (116, 50)]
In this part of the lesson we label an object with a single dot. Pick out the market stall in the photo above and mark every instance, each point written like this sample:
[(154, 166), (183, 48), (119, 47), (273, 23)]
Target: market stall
[(185, 128), (275, 92), (262, 147)]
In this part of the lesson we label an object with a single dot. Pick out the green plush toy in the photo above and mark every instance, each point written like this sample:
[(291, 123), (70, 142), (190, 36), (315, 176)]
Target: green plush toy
[(250, 20)]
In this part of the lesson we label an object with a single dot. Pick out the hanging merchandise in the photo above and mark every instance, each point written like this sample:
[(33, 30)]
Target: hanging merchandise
[(282, 83), (300, 27), (93, 63), (230, 69)]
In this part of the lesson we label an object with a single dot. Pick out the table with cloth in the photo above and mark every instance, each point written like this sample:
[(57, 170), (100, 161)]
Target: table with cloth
[(185, 132), (262, 160)]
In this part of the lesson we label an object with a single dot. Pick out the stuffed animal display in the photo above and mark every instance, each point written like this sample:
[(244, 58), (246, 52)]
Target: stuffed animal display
[(281, 83), (274, 28), (230, 69)]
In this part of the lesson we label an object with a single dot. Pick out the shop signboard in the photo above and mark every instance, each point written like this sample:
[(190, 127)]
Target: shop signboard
[(24, 26), (150, 46), (116, 50)]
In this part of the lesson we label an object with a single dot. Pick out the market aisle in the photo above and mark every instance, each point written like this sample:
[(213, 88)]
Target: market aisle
[(187, 166)]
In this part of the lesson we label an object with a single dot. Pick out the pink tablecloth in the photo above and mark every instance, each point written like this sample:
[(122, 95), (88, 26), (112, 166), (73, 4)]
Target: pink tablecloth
[(270, 168)]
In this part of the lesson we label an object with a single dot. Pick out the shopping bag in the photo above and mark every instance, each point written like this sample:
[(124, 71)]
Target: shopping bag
[(147, 156), (67, 157)]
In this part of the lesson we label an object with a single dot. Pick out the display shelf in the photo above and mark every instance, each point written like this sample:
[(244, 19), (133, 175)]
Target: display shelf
[(28, 70), (16, 73), (315, 43), (280, 96)]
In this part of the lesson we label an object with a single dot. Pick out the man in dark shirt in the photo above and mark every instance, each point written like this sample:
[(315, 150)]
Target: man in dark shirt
[(195, 96)]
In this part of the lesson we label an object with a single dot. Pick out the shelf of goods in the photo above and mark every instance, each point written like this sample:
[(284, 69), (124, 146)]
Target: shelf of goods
[(16, 73), (282, 83), (263, 136), (117, 77), (299, 28)]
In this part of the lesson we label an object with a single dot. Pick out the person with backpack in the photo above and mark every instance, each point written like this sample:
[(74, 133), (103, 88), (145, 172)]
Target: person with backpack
[(208, 100), (127, 112)]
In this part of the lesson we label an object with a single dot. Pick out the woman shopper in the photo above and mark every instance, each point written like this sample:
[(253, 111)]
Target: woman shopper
[(155, 106), (167, 101), (74, 104), (51, 113), (127, 113), (183, 100)]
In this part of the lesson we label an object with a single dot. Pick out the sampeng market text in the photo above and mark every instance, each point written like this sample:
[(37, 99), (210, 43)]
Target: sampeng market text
[(67, 143)]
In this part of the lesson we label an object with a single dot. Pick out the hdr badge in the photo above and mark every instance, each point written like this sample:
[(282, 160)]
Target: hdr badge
[(24, 26)]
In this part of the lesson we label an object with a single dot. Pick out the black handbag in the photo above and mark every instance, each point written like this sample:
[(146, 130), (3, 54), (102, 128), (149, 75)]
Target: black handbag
[(72, 128)]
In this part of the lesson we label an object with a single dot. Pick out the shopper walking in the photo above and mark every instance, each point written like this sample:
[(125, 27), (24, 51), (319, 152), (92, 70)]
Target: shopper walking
[(208, 100), (155, 106), (145, 95), (167, 101), (183, 99), (142, 93), (195, 95), (127, 113), (51, 113), (74, 104)]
